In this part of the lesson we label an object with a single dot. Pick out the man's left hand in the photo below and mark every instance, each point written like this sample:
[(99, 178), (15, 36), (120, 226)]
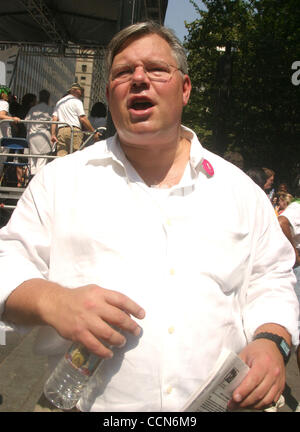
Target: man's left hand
[(265, 380)]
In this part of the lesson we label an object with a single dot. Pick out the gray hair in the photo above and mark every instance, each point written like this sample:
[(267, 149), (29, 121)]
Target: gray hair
[(146, 28)]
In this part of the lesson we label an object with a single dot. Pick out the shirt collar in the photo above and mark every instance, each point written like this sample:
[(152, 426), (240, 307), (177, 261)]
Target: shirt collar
[(196, 151), (111, 149)]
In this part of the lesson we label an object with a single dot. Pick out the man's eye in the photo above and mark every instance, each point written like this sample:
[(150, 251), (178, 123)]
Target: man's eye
[(157, 68), (121, 72), (124, 71)]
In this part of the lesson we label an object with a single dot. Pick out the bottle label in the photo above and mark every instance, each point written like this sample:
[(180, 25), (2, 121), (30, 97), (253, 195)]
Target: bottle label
[(80, 358)]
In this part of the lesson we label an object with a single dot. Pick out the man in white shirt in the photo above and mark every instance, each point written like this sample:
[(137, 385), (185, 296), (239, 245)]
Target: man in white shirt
[(127, 233), (70, 110), (38, 134)]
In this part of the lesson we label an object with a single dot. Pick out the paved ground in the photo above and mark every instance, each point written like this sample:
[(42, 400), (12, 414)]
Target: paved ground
[(22, 375)]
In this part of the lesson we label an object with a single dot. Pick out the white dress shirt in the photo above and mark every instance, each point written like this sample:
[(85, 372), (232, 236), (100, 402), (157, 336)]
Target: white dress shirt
[(206, 259)]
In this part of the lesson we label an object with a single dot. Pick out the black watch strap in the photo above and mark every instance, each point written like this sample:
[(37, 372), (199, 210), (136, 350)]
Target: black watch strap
[(281, 343)]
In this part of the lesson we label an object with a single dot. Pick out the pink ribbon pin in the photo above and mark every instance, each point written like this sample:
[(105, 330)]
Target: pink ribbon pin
[(207, 166)]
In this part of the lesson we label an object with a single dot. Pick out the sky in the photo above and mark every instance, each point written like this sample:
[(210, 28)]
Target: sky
[(179, 11)]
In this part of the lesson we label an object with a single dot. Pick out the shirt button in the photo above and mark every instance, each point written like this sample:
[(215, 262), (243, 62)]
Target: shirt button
[(171, 330), (169, 389)]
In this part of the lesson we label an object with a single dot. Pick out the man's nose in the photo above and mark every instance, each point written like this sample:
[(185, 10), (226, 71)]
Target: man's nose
[(139, 75)]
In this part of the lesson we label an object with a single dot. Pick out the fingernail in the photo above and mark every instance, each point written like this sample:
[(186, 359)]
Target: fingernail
[(141, 314), (122, 344), (237, 397), (137, 331)]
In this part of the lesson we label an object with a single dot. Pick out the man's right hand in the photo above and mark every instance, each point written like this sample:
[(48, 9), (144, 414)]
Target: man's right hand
[(83, 314), (86, 314)]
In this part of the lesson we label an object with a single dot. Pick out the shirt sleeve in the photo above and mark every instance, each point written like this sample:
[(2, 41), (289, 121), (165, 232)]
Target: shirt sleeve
[(78, 107), (4, 106), (25, 240), (270, 296), (292, 213)]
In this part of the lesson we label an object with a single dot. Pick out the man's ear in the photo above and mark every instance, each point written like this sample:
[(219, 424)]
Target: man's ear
[(187, 87)]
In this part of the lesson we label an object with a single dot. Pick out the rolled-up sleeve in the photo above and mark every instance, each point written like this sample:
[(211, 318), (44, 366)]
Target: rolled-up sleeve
[(25, 240)]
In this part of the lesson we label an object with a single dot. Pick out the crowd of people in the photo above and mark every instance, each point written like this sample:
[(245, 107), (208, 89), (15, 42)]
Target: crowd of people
[(44, 136), (281, 196), (130, 252)]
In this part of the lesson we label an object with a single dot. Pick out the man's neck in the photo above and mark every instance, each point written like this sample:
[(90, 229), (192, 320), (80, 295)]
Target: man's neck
[(161, 166)]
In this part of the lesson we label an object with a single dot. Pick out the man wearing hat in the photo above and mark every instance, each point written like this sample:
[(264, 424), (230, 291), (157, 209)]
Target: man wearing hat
[(70, 110)]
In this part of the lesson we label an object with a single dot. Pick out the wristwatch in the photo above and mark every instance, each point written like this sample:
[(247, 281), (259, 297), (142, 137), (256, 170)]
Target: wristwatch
[(282, 345)]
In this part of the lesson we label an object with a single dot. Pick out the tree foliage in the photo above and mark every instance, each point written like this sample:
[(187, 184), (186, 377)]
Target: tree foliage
[(240, 56)]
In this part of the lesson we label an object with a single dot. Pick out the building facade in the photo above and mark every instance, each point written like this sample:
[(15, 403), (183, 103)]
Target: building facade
[(30, 73), (90, 74)]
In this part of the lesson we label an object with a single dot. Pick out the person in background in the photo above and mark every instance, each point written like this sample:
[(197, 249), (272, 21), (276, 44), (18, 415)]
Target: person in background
[(258, 175), (28, 101), (13, 105), (97, 115), (70, 110), (284, 199), (283, 187), (38, 134), (97, 119), (121, 233), (5, 127), (270, 191)]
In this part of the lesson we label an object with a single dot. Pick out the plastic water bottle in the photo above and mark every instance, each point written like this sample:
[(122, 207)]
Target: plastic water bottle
[(66, 383)]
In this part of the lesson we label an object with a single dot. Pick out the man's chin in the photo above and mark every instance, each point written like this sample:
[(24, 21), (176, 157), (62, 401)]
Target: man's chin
[(137, 133), (142, 127)]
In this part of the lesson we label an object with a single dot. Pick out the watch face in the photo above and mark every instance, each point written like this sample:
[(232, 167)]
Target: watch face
[(285, 347)]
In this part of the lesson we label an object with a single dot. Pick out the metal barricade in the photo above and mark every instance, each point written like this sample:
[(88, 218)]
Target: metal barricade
[(100, 130), (9, 196)]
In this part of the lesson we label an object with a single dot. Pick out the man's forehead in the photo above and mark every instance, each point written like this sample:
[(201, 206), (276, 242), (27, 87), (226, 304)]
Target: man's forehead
[(160, 42)]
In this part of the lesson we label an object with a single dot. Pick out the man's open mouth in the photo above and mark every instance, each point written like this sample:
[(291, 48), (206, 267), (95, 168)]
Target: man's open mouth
[(140, 105)]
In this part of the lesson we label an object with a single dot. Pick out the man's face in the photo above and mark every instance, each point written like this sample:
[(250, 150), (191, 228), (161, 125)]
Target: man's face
[(282, 203), (142, 108), (77, 93)]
